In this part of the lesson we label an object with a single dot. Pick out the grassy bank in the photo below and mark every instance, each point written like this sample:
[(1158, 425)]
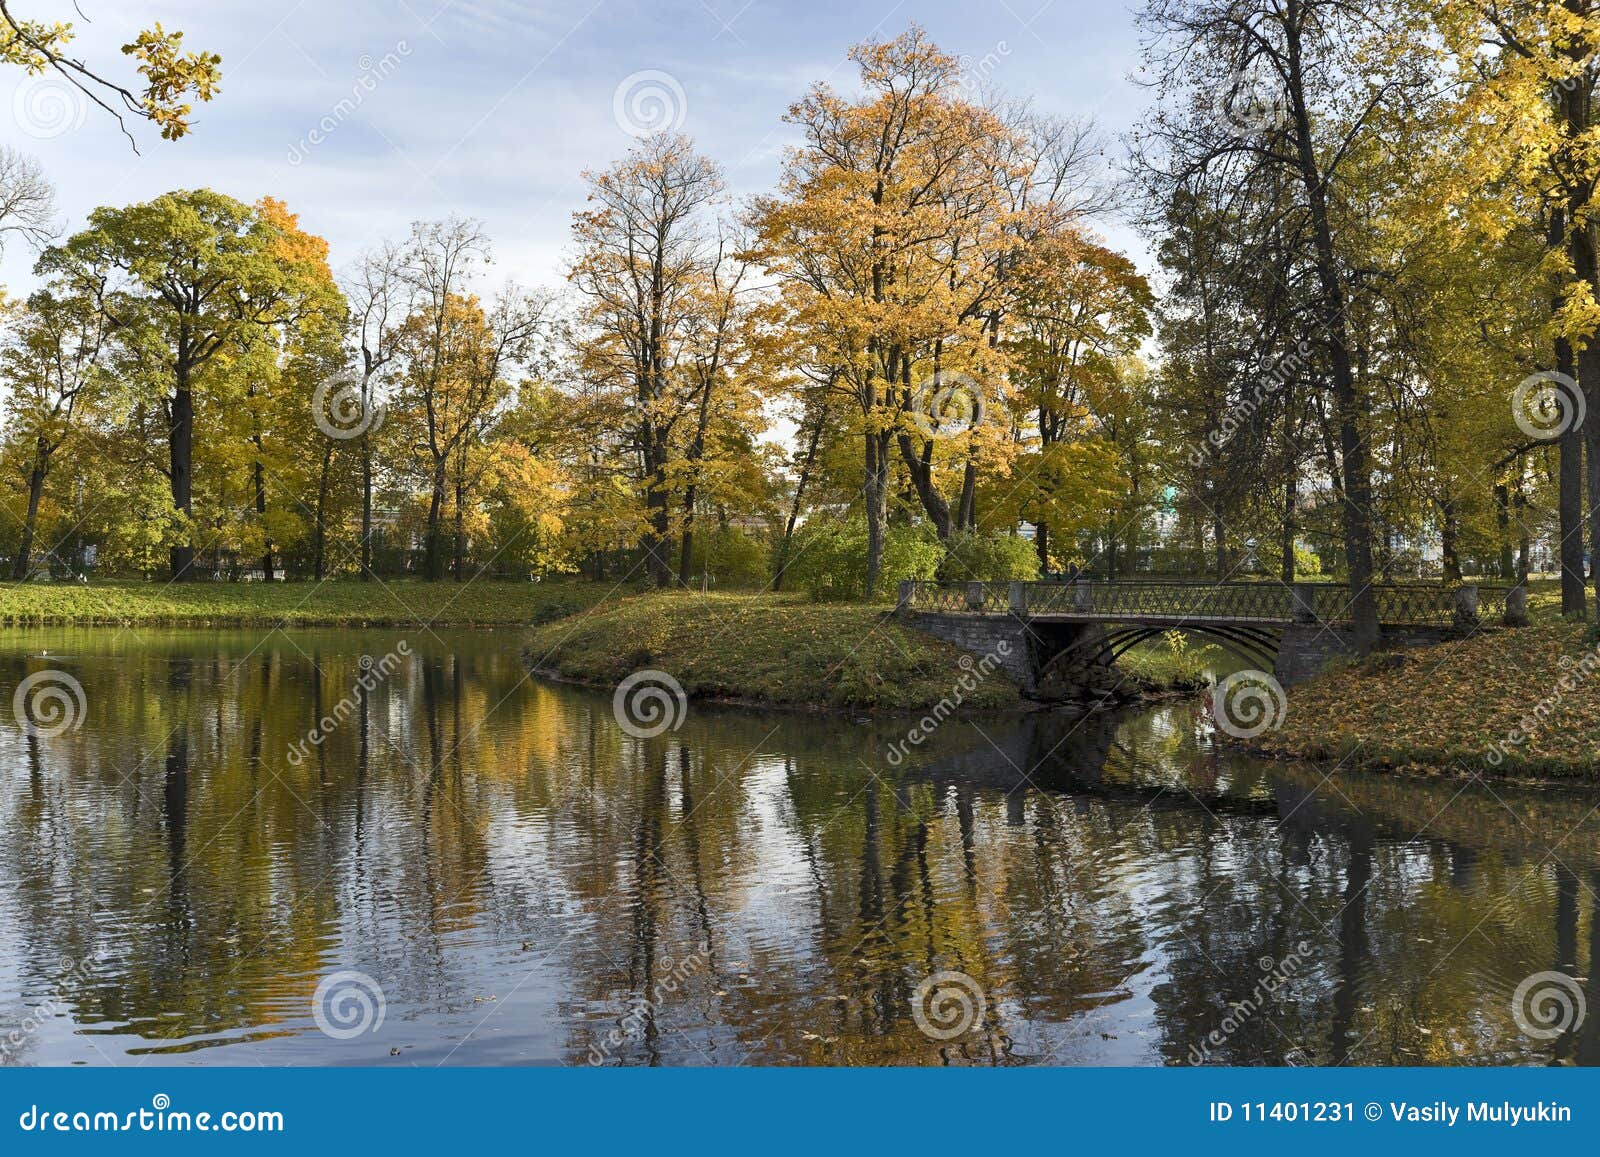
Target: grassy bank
[(344, 603), (1506, 702), (773, 649)]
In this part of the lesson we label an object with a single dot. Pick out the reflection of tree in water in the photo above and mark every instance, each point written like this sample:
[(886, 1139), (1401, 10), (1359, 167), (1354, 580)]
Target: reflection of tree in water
[(753, 888)]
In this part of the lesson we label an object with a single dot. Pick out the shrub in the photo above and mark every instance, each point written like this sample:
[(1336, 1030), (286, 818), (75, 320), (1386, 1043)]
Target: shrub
[(731, 557), (829, 557), (988, 558)]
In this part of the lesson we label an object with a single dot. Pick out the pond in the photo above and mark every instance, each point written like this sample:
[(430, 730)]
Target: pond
[(243, 847)]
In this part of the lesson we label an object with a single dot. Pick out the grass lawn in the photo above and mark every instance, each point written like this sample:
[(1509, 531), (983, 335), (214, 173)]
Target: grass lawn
[(779, 649), (1505, 702), (389, 603)]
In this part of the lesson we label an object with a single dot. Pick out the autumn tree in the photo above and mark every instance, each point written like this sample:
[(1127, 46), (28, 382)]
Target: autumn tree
[(171, 76), (54, 372), (455, 355), (643, 271), (185, 279)]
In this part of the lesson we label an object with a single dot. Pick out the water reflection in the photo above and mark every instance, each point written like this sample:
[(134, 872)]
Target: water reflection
[(528, 884)]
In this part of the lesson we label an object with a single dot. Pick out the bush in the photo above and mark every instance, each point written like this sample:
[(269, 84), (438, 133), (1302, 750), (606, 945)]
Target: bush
[(829, 558), (988, 558), (731, 557)]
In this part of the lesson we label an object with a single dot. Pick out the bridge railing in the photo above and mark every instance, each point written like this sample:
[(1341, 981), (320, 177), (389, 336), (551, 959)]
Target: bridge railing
[(957, 598), (1161, 598), (1246, 602)]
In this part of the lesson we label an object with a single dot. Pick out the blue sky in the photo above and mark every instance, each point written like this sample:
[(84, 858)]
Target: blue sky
[(493, 108)]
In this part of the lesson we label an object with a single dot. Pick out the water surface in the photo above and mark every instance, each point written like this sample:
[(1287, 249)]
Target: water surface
[(526, 883)]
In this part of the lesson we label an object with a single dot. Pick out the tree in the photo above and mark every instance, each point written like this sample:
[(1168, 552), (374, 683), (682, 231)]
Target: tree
[(643, 253), (53, 372), (454, 357), (1266, 100), (377, 293), (171, 75), (185, 278), (869, 235)]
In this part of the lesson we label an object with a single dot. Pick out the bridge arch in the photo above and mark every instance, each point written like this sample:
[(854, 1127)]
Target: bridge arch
[(1257, 646)]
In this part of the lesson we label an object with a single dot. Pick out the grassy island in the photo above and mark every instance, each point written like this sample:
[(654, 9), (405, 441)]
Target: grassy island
[(775, 649)]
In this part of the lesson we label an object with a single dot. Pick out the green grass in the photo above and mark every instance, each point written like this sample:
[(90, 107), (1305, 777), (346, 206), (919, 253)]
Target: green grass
[(1457, 706), (776, 649), (482, 602)]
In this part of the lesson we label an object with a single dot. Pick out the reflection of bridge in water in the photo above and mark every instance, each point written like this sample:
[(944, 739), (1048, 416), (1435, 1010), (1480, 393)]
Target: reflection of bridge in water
[(1289, 628)]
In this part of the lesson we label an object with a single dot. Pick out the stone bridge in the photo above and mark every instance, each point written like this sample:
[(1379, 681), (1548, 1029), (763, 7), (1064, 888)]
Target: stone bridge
[(1291, 630)]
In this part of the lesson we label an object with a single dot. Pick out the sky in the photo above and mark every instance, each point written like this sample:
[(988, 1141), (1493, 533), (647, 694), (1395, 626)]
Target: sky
[(364, 115)]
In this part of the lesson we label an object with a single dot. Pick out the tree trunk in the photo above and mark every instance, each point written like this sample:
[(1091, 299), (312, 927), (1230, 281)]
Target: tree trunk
[(875, 490), (459, 566), (319, 538), (967, 510), (920, 467), (697, 451), (794, 506), (1348, 407), (180, 452), (1449, 535), (433, 552), (1220, 535), (41, 466), (1290, 526), (1570, 229), (260, 475), (1502, 519), (1041, 546), (366, 508)]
